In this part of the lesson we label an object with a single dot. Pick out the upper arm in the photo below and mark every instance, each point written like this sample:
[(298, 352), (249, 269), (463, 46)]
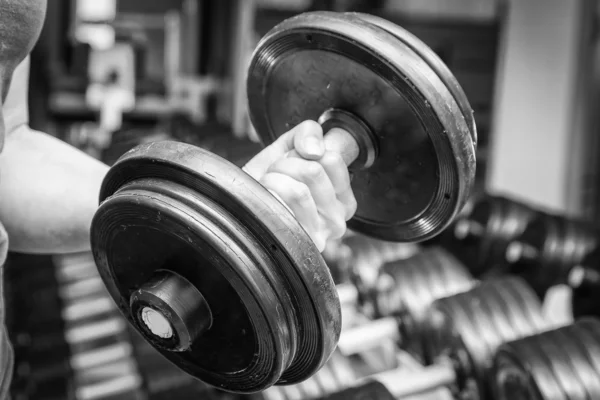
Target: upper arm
[(16, 107)]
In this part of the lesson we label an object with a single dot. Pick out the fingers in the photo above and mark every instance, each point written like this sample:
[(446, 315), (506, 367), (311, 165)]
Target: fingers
[(308, 141), (338, 174), (313, 175), (306, 138), (314, 183), (297, 196)]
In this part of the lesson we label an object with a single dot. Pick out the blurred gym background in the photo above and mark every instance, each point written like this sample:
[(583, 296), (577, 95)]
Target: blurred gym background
[(178, 68), (107, 75)]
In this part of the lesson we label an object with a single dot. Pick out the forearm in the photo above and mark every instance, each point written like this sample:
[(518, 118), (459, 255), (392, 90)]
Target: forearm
[(48, 193)]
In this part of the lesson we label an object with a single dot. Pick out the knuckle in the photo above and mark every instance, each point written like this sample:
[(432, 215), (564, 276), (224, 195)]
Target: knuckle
[(278, 165), (300, 193), (313, 171), (339, 230)]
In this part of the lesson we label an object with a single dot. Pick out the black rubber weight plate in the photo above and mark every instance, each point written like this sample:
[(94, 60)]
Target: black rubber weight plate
[(426, 162), (432, 59), (174, 206)]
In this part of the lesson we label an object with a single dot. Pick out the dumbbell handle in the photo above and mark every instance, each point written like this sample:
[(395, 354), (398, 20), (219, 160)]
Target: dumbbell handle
[(95, 331), (518, 251), (402, 383), (361, 338), (113, 387), (101, 356), (88, 308), (467, 229), (581, 276)]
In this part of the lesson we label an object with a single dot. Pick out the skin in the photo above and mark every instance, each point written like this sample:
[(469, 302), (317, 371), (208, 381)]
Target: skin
[(49, 190)]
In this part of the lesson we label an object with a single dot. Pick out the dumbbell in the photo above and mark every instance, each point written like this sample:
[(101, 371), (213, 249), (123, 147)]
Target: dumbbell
[(546, 252), (87, 310), (483, 235), (401, 297), (584, 281), (105, 369), (83, 345), (369, 253), (559, 364), (101, 355), (44, 293), (214, 270), (32, 297), (53, 334), (463, 333), (48, 363), (114, 378), (123, 387), (91, 348), (31, 290), (363, 257)]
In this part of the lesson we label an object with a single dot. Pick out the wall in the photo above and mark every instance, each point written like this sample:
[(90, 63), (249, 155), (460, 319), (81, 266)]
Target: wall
[(537, 139)]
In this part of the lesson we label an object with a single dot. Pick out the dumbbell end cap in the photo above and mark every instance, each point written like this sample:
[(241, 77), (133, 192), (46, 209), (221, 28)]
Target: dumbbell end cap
[(157, 323), (170, 311)]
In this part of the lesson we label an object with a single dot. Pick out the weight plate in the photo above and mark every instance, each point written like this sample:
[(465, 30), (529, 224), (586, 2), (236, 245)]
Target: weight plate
[(513, 380), (493, 223), (470, 327), (434, 62), (584, 281), (556, 364), (588, 333), (410, 286), (425, 165), (549, 248), (250, 302)]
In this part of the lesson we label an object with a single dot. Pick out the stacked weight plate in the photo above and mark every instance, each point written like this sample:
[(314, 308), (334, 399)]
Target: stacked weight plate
[(482, 236), (559, 364)]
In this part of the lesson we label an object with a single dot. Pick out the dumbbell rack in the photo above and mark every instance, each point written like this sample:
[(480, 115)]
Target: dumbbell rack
[(70, 341), (344, 370)]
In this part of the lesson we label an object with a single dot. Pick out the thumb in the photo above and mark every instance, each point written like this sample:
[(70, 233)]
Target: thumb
[(308, 141)]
